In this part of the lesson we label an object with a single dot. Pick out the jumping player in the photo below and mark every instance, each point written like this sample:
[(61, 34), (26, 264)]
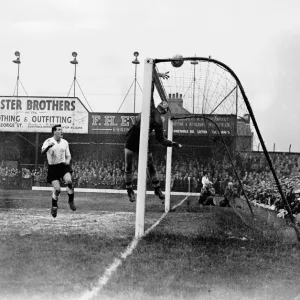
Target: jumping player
[(59, 157), (132, 146)]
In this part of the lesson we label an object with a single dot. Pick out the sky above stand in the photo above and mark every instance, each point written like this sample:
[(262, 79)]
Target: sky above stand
[(258, 40)]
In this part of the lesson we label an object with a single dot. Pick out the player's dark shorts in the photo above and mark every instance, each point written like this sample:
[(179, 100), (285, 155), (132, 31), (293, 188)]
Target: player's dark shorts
[(57, 172), (135, 147), (132, 140), (132, 146)]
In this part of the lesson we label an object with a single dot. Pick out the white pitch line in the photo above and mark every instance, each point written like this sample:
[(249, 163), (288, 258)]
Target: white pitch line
[(118, 261)]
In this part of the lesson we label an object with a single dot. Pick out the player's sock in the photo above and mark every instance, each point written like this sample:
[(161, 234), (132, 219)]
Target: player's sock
[(54, 202), (71, 202), (71, 197), (54, 208)]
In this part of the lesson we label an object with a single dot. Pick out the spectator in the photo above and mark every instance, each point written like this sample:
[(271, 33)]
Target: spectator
[(205, 180), (207, 195)]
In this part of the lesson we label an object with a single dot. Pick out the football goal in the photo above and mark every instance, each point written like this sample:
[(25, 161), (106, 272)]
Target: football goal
[(211, 116)]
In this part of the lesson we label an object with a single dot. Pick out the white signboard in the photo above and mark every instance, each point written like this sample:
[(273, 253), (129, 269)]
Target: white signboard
[(39, 114)]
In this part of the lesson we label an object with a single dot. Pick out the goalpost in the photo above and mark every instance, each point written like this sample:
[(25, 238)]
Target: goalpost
[(143, 150), (211, 116)]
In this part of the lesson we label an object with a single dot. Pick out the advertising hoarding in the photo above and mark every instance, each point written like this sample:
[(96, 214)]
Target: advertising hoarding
[(118, 123), (111, 123), (39, 114), (201, 126)]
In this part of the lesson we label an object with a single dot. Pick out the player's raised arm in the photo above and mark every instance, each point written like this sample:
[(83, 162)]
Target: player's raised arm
[(46, 146)]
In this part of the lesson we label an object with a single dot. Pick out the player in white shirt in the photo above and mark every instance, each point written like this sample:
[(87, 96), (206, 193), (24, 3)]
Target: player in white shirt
[(205, 180), (207, 191), (59, 157)]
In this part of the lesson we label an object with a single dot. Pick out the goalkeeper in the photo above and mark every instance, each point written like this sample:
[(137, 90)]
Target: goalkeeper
[(132, 146)]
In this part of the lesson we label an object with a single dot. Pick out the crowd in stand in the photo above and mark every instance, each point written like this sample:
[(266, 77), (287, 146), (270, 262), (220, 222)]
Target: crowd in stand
[(106, 170), (14, 178), (260, 186)]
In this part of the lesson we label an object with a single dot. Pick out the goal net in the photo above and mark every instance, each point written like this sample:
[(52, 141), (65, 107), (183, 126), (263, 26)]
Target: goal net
[(211, 116)]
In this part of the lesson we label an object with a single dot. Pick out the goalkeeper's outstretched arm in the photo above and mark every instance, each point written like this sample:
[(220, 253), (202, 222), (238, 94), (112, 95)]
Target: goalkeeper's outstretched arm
[(159, 135)]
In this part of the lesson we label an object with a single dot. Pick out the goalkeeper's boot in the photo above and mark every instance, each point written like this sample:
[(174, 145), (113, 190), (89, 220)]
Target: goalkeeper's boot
[(72, 205), (54, 211), (159, 193), (131, 195)]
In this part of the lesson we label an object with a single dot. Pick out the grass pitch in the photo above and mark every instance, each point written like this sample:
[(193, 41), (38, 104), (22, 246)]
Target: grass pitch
[(194, 253)]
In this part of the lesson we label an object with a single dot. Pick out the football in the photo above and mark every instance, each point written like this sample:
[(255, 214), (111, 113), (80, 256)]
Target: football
[(177, 63)]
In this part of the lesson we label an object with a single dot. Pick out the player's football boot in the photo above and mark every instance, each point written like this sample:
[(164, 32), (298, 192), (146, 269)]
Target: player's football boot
[(159, 194), (72, 205), (54, 211), (131, 195)]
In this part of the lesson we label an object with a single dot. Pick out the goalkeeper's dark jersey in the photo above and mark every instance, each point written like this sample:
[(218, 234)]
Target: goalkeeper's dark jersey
[(156, 124)]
